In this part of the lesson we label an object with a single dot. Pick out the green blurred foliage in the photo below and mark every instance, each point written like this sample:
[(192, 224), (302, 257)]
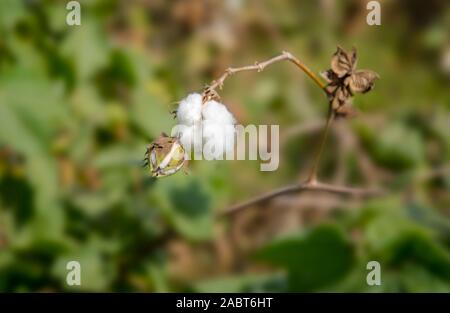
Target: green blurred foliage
[(312, 260), (79, 104)]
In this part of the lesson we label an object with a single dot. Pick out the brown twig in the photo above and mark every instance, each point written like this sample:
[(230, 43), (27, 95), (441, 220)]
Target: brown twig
[(296, 188), (260, 66), (312, 179)]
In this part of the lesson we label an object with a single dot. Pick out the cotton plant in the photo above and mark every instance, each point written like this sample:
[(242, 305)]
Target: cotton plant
[(206, 126)]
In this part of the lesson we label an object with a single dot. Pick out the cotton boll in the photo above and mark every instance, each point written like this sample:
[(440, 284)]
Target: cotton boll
[(216, 112), (218, 140), (218, 131), (190, 137), (207, 128), (189, 110)]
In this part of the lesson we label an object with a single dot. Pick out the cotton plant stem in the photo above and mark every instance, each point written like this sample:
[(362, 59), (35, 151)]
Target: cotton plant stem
[(305, 69), (312, 179), (298, 188), (260, 66)]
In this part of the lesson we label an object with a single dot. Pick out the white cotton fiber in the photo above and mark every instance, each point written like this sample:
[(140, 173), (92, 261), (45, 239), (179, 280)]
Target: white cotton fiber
[(190, 137), (218, 139), (216, 112), (189, 110), (208, 128), (218, 130)]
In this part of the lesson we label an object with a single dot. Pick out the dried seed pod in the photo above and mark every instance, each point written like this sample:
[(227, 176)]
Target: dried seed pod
[(329, 76), (361, 80), (343, 62), (165, 156), (343, 81)]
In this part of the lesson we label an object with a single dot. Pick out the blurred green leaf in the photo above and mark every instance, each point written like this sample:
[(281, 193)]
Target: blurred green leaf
[(86, 48), (418, 279), (313, 259), (274, 282), (150, 115), (398, 146), (10, 12), (94, 257), (186, 204)]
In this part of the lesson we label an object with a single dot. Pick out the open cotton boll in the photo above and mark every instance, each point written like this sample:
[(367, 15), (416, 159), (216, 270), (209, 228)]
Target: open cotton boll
[(216, 112), (189, 110), (207, 128), (218, 140), (190, 137)]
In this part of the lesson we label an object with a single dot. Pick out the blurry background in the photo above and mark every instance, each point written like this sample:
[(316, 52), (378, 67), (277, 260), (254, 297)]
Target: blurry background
[(79, 104)]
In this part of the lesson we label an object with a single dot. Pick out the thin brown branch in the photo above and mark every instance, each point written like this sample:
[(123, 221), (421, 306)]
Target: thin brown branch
[(260, 66), (313, 174), (297, 188), (433, 173)]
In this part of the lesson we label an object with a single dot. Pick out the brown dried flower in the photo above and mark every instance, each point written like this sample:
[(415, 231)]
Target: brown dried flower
[(344, 80)]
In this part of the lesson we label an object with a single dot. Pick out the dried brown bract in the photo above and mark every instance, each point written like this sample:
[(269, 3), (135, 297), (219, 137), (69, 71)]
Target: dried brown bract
[(344, 80), (209, 94)]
